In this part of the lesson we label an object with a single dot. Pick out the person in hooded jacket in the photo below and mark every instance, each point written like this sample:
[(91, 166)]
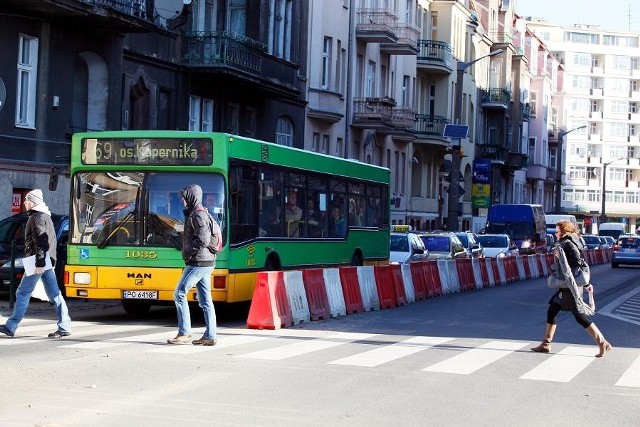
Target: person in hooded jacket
[(200, 262), (39, 240), (563, 299)]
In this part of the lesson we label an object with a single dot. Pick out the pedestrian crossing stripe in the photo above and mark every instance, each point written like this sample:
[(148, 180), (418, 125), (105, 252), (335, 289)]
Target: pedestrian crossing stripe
[(388, 353), (472, 360), (563, 366)]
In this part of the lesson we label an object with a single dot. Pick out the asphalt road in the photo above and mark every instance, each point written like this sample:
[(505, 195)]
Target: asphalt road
[(460, 360)]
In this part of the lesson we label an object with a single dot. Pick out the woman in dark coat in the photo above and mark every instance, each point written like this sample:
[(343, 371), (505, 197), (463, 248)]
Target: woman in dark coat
[(563, 299)]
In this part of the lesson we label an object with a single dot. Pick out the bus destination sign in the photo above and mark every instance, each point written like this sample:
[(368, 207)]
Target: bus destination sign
[(147, 151)]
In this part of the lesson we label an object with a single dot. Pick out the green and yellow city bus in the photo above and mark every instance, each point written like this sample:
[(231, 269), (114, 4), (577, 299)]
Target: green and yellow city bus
[(279, 208)]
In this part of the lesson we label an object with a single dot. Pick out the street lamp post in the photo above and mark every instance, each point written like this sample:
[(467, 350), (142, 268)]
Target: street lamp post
[(561, 135), (603, 213), (454, 181)]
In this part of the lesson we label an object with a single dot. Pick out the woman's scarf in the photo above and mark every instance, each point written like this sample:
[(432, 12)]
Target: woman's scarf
[(576, 290)]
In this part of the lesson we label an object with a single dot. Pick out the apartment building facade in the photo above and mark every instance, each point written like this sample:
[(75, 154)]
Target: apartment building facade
[(602, 81)]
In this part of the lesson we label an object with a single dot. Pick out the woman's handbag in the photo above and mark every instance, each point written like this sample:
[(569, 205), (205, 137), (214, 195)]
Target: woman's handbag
[(582, 276)]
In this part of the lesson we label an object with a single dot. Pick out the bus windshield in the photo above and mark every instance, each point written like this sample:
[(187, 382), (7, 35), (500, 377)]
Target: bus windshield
[(137, 208), (516, 230)]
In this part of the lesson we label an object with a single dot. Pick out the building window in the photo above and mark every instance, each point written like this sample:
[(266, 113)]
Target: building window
[(341, 55), (233, 118), (370, 80), (339, 147), (315, 142), (252, 118), (325, 144), (204, 15), (280, 26), (238, 17), (406, 80), (326, 62), (27, 79), (284, 132), (200, 114), (533, 103)]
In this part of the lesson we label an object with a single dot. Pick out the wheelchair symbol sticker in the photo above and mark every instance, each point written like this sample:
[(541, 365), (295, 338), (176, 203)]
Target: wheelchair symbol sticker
[(84, 253)]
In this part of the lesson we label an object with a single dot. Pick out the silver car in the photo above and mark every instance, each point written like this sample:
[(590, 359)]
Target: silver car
[(498, 245), (626, 250), (443, 245)]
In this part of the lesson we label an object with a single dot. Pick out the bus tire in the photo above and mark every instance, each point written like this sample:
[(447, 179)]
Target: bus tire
[(136, 308), (356, 259), (272, 264)]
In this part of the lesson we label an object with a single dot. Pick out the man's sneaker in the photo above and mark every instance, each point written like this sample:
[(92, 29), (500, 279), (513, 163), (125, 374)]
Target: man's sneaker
[(209, 342), (180, 339), (59, 334), (6, 331)]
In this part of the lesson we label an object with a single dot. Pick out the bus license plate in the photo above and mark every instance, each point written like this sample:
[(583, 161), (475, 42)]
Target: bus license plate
[(140, 295)]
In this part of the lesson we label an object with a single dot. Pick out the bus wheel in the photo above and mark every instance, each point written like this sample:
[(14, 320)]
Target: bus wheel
[(356, 260), (136, 308)]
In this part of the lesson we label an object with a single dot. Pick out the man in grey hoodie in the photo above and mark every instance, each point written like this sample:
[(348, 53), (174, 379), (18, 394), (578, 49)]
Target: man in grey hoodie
[(200, 262), (39, 241)]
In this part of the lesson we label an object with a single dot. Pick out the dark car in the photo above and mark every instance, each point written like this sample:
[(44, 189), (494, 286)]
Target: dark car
[(471, 244), (12, 228), (443, 245), (592, 242)]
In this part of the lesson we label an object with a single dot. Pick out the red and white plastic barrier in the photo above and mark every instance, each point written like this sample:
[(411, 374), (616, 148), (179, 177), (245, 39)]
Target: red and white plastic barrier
[(282, 299)]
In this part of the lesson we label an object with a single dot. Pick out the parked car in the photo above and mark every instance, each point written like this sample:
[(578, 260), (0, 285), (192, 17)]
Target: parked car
[(405, 247), (604, 244), (12, 228), (626, 250), (443, 245), (470, 242), (610, 241), (592, 241), (497, 245)]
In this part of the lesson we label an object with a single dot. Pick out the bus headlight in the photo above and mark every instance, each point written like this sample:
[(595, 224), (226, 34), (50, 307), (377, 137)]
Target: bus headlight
[(526, 244), (81, 278)]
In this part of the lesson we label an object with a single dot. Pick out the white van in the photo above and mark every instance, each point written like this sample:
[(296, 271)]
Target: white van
[(613, 229), (552, 220)]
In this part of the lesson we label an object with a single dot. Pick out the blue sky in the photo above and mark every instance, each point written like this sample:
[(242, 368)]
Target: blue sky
[(609, 14)]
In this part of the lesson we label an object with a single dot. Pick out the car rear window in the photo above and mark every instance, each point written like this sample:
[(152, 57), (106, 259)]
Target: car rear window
[(629, 242), (436, 243), (493, 241)]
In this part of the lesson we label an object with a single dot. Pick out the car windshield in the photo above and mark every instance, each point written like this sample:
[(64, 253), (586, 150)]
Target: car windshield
[(399, 244), (463, 238), (592, 240), (436, 243), (493, 241)]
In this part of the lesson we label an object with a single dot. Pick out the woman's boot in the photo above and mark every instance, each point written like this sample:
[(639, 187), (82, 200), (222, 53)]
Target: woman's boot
[(599, 339), (545, 345)]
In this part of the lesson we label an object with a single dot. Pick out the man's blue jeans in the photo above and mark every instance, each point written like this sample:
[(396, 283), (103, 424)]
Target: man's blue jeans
[(200, 277), (23, 295)]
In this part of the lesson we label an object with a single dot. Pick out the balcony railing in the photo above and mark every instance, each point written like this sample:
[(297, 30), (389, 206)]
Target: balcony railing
[(525, 110), (373, 110), (407, 43), (376, 25), (137, 8), (497, 97), (437, 53), (431, 126), (210, 48), (494, 152), (403, 118)]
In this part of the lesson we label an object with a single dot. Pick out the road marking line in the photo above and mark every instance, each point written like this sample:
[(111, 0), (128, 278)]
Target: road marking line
[(477, 358), (563, 366), (631, 377), (304, 347), (155, 338), (388, 353)]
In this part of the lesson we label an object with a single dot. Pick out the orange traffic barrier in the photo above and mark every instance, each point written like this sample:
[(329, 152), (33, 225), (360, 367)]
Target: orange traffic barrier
[(316, 293), (434, 285), (465, 274), (496, 272), (351, 289), (419, 279), (398, 284), (385, 286), (270, 307), (484, 273), (527, 268)]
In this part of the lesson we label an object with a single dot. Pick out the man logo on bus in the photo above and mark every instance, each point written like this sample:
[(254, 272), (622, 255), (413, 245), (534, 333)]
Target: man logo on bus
[(138, 275)]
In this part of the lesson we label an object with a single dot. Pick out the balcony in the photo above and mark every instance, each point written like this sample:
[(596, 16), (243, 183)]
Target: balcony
[(435, 56), (537, 172), (373, 112), (407, 43), (115, 16), (517, 161), (211, 52), (376, 26), (498, 154), (430, 127), (495, 99), (552, 174)]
